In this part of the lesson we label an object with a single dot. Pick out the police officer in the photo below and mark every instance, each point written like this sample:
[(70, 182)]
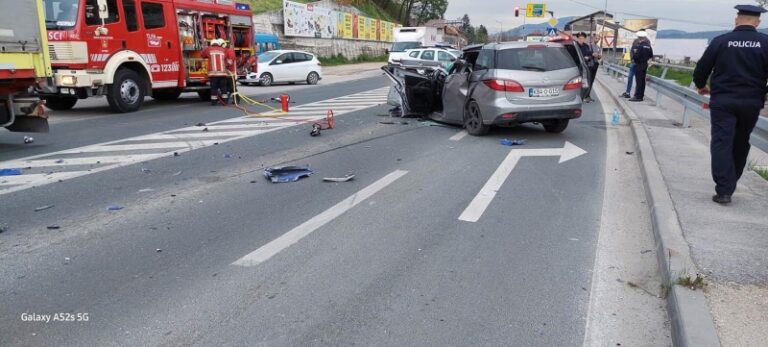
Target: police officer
[(641, 53), (740, 63)]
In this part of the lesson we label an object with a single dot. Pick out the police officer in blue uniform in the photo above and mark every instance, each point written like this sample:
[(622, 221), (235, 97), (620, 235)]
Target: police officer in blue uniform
[(740, 63), (641, 53)]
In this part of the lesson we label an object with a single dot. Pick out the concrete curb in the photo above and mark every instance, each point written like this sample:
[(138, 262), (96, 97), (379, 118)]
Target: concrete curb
[(692, 323)]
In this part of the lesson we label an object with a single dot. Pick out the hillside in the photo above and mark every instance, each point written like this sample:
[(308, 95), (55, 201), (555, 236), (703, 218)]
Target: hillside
[(367, 7)]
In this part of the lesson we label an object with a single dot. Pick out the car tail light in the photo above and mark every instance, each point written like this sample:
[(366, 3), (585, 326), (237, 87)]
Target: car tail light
[(575, 83), (504, 85), (577, 112)]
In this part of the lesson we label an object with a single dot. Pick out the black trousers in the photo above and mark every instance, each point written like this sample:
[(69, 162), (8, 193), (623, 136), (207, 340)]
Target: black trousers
[(732, 124), (218, 87), (641, 70), (593, 74)]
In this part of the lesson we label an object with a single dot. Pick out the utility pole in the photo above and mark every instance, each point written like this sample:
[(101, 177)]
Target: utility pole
[(500, 37)]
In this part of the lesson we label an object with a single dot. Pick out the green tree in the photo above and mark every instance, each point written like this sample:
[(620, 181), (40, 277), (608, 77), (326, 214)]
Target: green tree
[(430, 9), (481, 35), (763, 3)]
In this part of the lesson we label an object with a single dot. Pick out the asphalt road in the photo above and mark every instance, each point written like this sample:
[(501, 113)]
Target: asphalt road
[(207, 252)]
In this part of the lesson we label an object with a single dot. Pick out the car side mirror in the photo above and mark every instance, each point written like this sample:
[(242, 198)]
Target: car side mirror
[(453, 59)]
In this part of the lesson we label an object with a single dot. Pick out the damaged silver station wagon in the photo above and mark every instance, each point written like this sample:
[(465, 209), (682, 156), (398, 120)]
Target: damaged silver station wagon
[(499, 84)]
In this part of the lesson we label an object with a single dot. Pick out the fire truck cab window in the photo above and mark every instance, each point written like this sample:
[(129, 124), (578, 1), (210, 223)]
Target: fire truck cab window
[(131, 20), (92, 13), (153, 15)]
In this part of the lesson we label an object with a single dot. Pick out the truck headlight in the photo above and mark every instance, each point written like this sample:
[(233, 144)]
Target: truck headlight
[(69, 80)]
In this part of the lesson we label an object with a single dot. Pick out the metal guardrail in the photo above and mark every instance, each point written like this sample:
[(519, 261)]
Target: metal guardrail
[(689, 98)]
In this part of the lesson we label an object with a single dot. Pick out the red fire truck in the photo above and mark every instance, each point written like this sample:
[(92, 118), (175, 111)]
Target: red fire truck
[(129, 49)]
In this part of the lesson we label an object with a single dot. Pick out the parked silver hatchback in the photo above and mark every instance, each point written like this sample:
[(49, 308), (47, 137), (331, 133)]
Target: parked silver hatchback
[(499, 84)]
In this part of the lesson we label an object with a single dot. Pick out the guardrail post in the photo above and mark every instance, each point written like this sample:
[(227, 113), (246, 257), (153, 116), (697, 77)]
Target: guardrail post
[(658, 97), (664, 72), (686, 120)]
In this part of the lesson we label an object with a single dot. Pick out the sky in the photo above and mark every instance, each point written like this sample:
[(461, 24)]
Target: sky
[(688, 15)]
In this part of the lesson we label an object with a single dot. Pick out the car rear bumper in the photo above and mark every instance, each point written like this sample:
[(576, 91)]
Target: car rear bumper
[(502, 112), (536, 116)]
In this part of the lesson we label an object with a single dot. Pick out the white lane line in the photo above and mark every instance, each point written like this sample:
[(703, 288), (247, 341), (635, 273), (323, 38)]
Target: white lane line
[(296, 234), (480, 203), (460, 135), (90, 160)]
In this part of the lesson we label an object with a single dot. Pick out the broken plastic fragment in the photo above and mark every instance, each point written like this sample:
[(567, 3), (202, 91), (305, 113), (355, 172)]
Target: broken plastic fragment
[(54, 227), (346, 178), (286, 174), (42, 208), (507, 142), (114, 208)]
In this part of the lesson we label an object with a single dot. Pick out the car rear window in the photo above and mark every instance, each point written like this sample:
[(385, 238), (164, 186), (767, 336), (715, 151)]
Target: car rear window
[(534, 59)]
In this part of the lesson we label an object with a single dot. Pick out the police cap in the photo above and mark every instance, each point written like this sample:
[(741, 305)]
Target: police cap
[(750, 10)]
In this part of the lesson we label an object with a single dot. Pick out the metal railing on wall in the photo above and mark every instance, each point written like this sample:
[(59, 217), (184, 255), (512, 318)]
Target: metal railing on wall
[(688, 97)]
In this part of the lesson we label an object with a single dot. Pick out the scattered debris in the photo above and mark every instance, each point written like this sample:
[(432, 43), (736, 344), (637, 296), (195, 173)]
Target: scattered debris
[(67, 260), (387, 122), (205, 129), (178, 173), (114, 208), (158, 250), (646, 251), (215, 143), (29, 139), (3, 228), (316, 128), (228, 156), (59, 161), (43, 208), (346, 178), (146, 190), (508, 142), (175, 154), (253, 181), (54, 227), (201, 124), (630, 153), (10, 172), (145, 170), (287, 173)]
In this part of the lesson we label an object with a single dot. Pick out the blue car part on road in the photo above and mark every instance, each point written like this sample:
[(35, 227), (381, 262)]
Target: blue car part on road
[(507, 142), (287, 174), (10, 172)]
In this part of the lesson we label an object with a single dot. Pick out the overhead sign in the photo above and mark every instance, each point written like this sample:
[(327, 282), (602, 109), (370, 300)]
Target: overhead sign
[(536, 10), (551, 31)]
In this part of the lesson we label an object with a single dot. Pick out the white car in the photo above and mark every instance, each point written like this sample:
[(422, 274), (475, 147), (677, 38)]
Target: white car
[(430, 56), (285, 66)]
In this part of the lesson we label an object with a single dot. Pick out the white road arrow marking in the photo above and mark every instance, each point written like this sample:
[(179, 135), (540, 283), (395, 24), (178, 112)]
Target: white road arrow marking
[(480, 203)]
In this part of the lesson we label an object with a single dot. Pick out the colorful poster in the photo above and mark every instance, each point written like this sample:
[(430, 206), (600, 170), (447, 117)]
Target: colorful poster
[(307, 20), (349, 31)]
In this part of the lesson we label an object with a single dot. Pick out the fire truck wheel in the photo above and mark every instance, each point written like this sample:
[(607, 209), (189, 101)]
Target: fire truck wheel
[(127, 92), (59, 103), (205, 95), (166, 94), (313, 77), (266, 79)]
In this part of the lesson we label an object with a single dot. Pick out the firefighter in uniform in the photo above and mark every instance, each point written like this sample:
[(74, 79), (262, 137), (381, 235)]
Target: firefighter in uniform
[(740, 63), (230, 62), (217, 70)]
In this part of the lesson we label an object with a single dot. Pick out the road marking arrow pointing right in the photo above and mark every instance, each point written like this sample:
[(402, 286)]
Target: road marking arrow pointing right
[(480, 203)]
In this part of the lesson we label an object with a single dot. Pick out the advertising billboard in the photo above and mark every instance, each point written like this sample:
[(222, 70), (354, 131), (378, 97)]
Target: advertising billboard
[(307, 20)]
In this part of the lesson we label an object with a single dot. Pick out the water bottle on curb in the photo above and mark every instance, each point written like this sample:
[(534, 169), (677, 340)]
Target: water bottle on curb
[(615, 118)]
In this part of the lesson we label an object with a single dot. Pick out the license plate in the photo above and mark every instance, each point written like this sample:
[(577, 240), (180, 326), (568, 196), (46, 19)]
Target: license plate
[(543, 92)]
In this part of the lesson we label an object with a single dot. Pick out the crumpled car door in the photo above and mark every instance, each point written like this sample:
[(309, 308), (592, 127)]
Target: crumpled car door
[(578, 58), (455, 93), (415, 90)]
